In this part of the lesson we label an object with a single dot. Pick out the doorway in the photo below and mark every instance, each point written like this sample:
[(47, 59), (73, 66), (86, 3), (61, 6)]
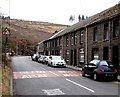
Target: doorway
[(105, 53), (75, 57), (71, 58), (95, 53), (115, 56)]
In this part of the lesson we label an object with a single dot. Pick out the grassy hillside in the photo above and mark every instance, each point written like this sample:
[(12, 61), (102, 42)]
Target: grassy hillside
[(26, 34)]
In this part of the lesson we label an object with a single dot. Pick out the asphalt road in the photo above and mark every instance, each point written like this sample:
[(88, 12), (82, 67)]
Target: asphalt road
[(33, 78)]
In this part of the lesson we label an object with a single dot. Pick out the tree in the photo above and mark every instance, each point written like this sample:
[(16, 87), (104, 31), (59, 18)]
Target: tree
[(79, 18), (72, 18), (86, 17), (83, 17)]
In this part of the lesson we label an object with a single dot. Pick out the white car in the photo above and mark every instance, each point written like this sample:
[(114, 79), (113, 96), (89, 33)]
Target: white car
[(45, 59), (40, 59), (56, 61)]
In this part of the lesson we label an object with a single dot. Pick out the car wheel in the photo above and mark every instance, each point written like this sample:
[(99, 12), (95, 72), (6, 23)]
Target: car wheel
[(51, 64), (83, 73), (48, 64), (115, 78), (95, 76)]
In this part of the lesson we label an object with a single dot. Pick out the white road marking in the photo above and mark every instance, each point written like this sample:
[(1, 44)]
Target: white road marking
[(62, 71), (53, 92), (67, 75), (53, 73), (39, 71), (80, 85), (26, 76), (33, 76), (44, 73)]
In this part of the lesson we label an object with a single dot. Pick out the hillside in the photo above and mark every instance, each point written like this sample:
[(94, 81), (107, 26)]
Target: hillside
[(26, 34)]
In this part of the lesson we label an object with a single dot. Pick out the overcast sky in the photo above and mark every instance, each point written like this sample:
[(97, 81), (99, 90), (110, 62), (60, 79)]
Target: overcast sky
[(55, 11)]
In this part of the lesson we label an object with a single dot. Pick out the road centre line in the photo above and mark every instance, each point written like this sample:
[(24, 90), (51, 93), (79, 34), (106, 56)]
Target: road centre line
[(53, 73), (80, 85)]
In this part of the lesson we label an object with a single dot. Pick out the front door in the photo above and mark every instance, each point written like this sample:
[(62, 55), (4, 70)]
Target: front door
[(105, 53), (115, 57), (75, 57), (71, 58)]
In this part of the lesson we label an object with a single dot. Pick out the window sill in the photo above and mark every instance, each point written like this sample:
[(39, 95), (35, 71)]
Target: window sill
[(106, 40), (95, 41), (66, 45), (81, 42), (115, 37)]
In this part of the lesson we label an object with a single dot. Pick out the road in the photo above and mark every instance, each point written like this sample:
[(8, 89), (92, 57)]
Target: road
[(33, 78)]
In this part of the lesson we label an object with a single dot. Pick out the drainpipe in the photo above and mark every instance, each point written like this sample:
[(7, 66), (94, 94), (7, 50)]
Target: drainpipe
[(86, 45), (110, 37)]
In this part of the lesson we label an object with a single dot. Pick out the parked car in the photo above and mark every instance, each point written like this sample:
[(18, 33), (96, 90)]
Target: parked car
[(34, 57), (45, 60), (56, 61), (41, 58), (100, 69)]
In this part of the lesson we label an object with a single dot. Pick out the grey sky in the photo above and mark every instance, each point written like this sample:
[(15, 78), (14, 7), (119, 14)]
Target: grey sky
[(55, 11)]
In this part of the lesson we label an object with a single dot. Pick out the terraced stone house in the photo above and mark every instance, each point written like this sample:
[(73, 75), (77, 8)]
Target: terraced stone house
[(97, 37)]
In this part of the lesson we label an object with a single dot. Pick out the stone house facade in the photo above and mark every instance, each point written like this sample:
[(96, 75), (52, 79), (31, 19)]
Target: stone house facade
[(104, 40), (97, 37)]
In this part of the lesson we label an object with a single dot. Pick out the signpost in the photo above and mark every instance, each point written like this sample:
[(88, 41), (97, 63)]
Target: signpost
[(6, 34)]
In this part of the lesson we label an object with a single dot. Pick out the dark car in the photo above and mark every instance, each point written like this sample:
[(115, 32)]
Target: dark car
[(100, 69)]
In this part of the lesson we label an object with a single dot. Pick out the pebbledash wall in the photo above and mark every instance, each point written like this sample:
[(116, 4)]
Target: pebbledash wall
[(97, 37)]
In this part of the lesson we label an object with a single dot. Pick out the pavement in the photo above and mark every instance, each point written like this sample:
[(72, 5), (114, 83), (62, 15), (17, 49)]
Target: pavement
[(80, 69)]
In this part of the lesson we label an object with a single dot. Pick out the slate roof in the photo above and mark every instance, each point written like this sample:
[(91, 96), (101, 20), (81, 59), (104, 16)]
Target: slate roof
[(104, 15)]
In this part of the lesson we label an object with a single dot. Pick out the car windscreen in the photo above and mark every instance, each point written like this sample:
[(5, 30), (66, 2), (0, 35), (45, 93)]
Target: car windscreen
[(57, 58), (106, 63)]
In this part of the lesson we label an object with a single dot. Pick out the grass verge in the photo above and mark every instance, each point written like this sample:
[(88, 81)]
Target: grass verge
[(6, 77)]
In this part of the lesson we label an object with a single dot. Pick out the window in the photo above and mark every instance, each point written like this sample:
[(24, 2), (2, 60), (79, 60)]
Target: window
[(95, 53), (75, 39), (67, 40), (72, 40), (95, 34), (106, 30), (115, 28), (67, 56), (52, 52), (60, 41), (53, 43), (47, 44), (81, 55), (81, 37)]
